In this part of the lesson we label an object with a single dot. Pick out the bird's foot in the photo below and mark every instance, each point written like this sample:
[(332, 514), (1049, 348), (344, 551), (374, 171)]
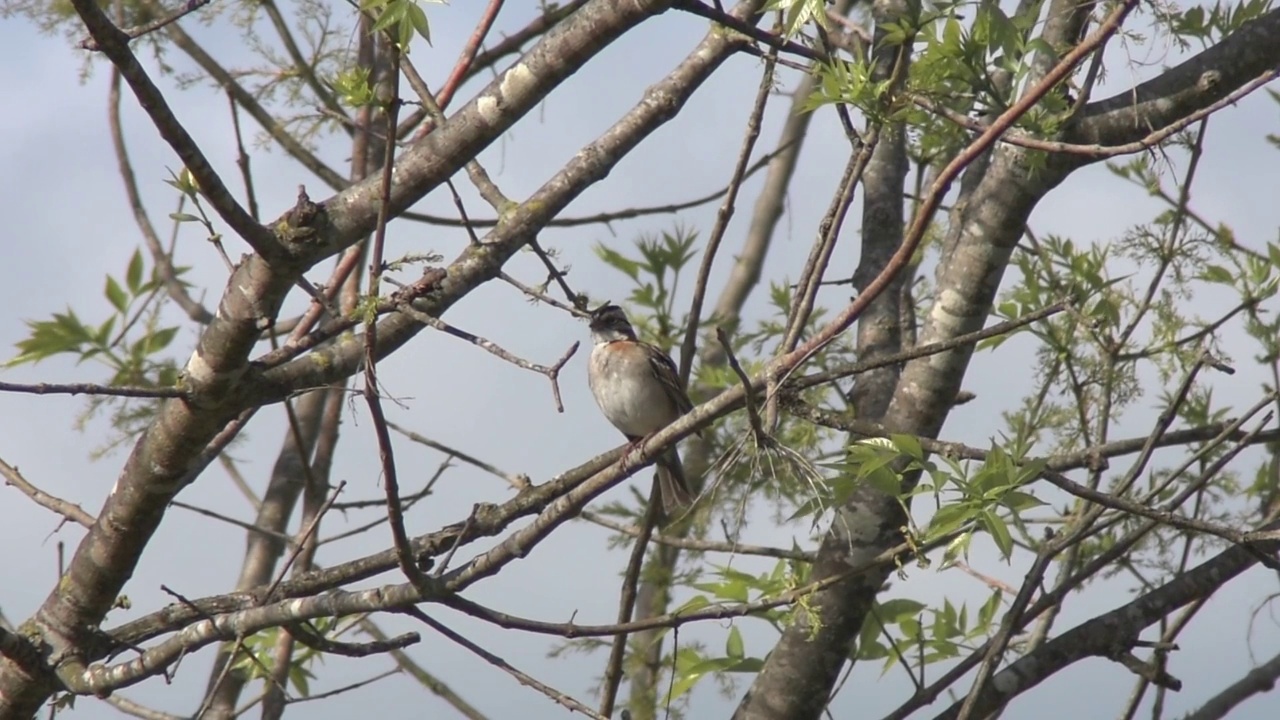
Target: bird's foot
[(629, 455)]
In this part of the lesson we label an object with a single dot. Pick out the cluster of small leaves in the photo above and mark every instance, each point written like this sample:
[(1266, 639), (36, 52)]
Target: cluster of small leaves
[(655, 274), (256, 658), (899, 630), (1208, 25), (797, 14), (127, 341), (400, 18), (850, 82), (975, 67), (967, 497), (1138, 318), (982, 67), (990, 497), (729, 585), (353, 89), (130, 342)]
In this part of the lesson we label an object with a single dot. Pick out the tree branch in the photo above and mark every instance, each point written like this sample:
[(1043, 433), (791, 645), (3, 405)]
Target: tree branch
[(1189, 87)]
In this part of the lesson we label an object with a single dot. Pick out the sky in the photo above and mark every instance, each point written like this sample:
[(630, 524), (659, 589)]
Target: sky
[(68, 226)]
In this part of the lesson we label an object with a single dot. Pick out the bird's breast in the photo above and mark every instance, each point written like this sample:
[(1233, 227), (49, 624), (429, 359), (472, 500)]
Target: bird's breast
[(627, 392)]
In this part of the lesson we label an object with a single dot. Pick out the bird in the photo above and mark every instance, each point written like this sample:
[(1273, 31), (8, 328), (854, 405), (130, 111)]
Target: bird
[(639, 392)]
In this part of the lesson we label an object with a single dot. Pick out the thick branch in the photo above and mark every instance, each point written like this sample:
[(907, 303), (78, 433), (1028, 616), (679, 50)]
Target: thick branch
[(1197, 83), (1114, 633)]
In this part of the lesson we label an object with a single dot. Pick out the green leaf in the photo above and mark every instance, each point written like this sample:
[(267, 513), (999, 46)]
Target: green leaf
[(299, 677), (908, 445), (999, 532), (893, 612), (988, 610), (956, 549), (153, 342), (405, 29), (418, 18), (950, 518), (183, 217), (393, 14), (133, 276), (1218, 274), (116, 295), (747, 665), (729, 590), (1018, 501), (733, 646), (618, 261), (693, 604), (690, 677), (103, 335), (683, 685), (869, 646)]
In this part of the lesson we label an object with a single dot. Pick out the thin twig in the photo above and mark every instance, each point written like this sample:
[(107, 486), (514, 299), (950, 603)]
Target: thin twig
[(627, 601), (138, 31), (345, 688), (518, 481), (242, 157), (724, 214), (684, 543), (301, 541), (395, 514), (247, 526), (753, 410), (603, 218), (65, 508), (525, 679), (552, 373), (93, 389)]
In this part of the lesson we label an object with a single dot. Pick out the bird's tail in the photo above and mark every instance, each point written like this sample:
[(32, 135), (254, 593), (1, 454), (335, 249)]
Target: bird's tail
[(673, 489)]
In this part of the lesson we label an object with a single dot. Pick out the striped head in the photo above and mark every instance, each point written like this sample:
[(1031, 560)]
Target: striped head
[(609, 323)]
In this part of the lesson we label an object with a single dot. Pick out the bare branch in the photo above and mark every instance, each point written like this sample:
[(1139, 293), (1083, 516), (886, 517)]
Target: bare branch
[(1183, 90), (65, 508), (114, 43), (93, 389), (138, 31), (524, 678), (1261, 679)]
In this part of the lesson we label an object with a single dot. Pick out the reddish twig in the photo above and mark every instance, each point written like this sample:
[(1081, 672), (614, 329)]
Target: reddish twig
[(468, 55), (929, 204), (724, 214), (1094, 151), (395, 514)]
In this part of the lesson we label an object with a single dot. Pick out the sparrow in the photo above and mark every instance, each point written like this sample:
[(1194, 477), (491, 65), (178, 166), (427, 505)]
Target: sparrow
[(639, 391)]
